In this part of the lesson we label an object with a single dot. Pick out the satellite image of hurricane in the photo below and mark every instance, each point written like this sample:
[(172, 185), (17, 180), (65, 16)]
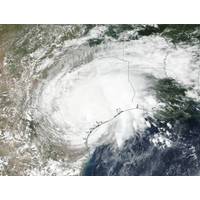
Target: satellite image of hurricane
[(100, 100)]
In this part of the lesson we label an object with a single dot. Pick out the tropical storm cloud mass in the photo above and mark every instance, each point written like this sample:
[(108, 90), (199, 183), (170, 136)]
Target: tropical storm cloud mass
[(100, 100)]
